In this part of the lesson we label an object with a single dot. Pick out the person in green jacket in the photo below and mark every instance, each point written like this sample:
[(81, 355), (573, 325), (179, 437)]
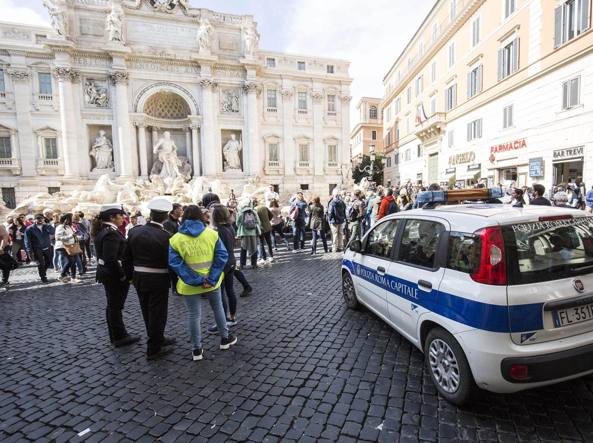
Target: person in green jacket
[(248, 230), (265, 217)]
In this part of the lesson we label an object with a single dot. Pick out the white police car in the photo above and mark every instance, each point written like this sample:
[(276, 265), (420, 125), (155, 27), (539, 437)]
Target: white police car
[(496, 297)]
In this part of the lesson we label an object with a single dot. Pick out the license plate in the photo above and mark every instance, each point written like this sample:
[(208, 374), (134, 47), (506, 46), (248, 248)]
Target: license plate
[(571, 316)]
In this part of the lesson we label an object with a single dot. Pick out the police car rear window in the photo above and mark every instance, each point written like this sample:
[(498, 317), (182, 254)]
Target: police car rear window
[(463, 252), (549, 250)]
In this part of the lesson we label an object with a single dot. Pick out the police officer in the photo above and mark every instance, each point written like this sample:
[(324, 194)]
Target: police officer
[(148, 252), (110, 247)]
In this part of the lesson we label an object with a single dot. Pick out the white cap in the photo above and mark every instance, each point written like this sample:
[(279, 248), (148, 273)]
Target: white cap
[(160, 205)]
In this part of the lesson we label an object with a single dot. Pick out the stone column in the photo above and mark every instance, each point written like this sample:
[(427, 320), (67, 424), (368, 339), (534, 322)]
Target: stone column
[(288, 148), (210, 168), (122, 140), (188, 147), (318, 155), (253, 151), (196, 154), (65, 77), (23, 137), (142, 153), (344, 145)]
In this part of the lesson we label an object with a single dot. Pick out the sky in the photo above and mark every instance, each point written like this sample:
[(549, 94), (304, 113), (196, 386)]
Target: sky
[(369, 35)]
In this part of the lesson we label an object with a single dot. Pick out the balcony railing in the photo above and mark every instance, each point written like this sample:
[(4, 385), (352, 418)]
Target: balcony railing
[(332, 164), (2, 94), (273, 164), (304, 164), (51, 162), (8, 162), (303, 111), (272, 109), (45, 98), (433, 126)]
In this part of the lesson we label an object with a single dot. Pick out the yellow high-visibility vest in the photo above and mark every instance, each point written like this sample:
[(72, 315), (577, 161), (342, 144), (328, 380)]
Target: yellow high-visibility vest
[(198, 254)]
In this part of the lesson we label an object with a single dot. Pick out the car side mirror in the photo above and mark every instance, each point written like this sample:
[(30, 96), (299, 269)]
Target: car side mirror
[(356, 246)]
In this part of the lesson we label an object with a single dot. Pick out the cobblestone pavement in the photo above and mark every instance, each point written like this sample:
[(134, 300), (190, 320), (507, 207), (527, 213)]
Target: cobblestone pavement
[(305, 368)]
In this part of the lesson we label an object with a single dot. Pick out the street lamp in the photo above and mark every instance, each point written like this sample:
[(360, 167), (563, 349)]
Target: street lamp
[(370, 169)]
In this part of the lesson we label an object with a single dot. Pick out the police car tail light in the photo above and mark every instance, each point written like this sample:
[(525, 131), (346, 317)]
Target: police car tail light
[(519, 372), (491, 269)]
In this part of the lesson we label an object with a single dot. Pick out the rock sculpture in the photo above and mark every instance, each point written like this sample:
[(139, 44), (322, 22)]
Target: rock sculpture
[(166, 152)]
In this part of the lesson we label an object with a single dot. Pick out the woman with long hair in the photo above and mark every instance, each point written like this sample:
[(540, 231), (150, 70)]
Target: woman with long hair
[(198, 257), (112, 271), (277, 224), (65, 241), (317, 212)]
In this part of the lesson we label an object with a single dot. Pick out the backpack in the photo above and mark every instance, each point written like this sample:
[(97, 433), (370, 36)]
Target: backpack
[(249, 220), (392, 208), (294, 213), (352, 214)]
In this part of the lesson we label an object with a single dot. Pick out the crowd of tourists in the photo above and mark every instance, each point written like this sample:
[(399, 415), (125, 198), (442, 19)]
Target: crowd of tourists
[(190, 250)]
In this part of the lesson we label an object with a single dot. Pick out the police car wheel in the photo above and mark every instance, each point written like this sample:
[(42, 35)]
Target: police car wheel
[(348, 292), (448, 367)]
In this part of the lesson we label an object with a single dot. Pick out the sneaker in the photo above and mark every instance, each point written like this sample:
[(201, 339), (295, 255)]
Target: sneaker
[(75, 281), (231, 323), (44, 280), (261, 261), (64, 279), (226, 343), (197, 354), (270, 259), (246, 292), (295, 251), (212, 329), (130, 339)]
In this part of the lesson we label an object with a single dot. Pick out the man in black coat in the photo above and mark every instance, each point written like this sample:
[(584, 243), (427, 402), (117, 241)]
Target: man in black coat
[(148, 252), (173, 221)]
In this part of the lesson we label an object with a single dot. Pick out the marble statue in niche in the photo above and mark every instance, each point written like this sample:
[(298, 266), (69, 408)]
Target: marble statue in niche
[(250, 40), (205, 31), (167, 164), (113, 25), (231, 151), (57, 17), (102, 152)]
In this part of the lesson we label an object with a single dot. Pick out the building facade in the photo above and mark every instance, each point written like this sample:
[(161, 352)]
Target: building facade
[(111, 80), (498, 91), (367, 135)]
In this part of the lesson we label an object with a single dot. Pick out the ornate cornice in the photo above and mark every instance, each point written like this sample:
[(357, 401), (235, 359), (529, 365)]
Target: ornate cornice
[(317, 96), (119, 77), (287, 93), (19, 75), (207, 83), (63, 73), (251, 87), (346, 98)]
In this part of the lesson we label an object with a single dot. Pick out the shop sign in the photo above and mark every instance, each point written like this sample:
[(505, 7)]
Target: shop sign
[(536, 167), (561, 154), (509, 146), (465, 157), (475, 167), (450, 171)]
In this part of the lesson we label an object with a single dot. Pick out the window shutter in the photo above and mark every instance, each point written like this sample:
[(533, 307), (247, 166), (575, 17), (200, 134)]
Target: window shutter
[(469, 84), (500, 63), (479, 85), (574, 91), (565, 95), (454, 101), (469, 131), (584, 15), (480, 128), (557, 26), (515, 55), (510, 117)]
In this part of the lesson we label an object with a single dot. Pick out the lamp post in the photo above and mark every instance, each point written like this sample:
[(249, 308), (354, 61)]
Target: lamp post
[(370, 169)]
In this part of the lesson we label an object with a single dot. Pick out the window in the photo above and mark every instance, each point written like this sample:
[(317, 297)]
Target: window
[(302, 101), (332, 186), (5, 148), (373, 135), (474, 81), (452, 10), (451, 54), (381, 239), (388, 161), (271, 62), (509, 7), (570, 20), (571, 93), (475, 31), (418, 85), (2, 84), (44, 83), (407, 155), (396, 158), (450, 138), (304, 152), (507, 117), (332, 154), (433, 72), (419, 151), (389, 114), (331, 104), (373, 113), (398, 105), (50, 147), (419, 244), (53, 190), (409, 95), (464, 252), (474, 130), (273, 152), (450, 97), (433, 105), (9, 197), (304, 187), (272, 98), (435, 30), (508, 59), (330, 69), (301, 66)]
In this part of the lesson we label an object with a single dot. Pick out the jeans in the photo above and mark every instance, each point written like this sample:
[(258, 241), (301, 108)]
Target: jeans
[(298, 235), (337, 237), (194, 307), (68, 263), (241, 277), (318, 233), (355, 231), (17, 246), (279, 229), (228, 293), (264, 238), (243, 258)]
